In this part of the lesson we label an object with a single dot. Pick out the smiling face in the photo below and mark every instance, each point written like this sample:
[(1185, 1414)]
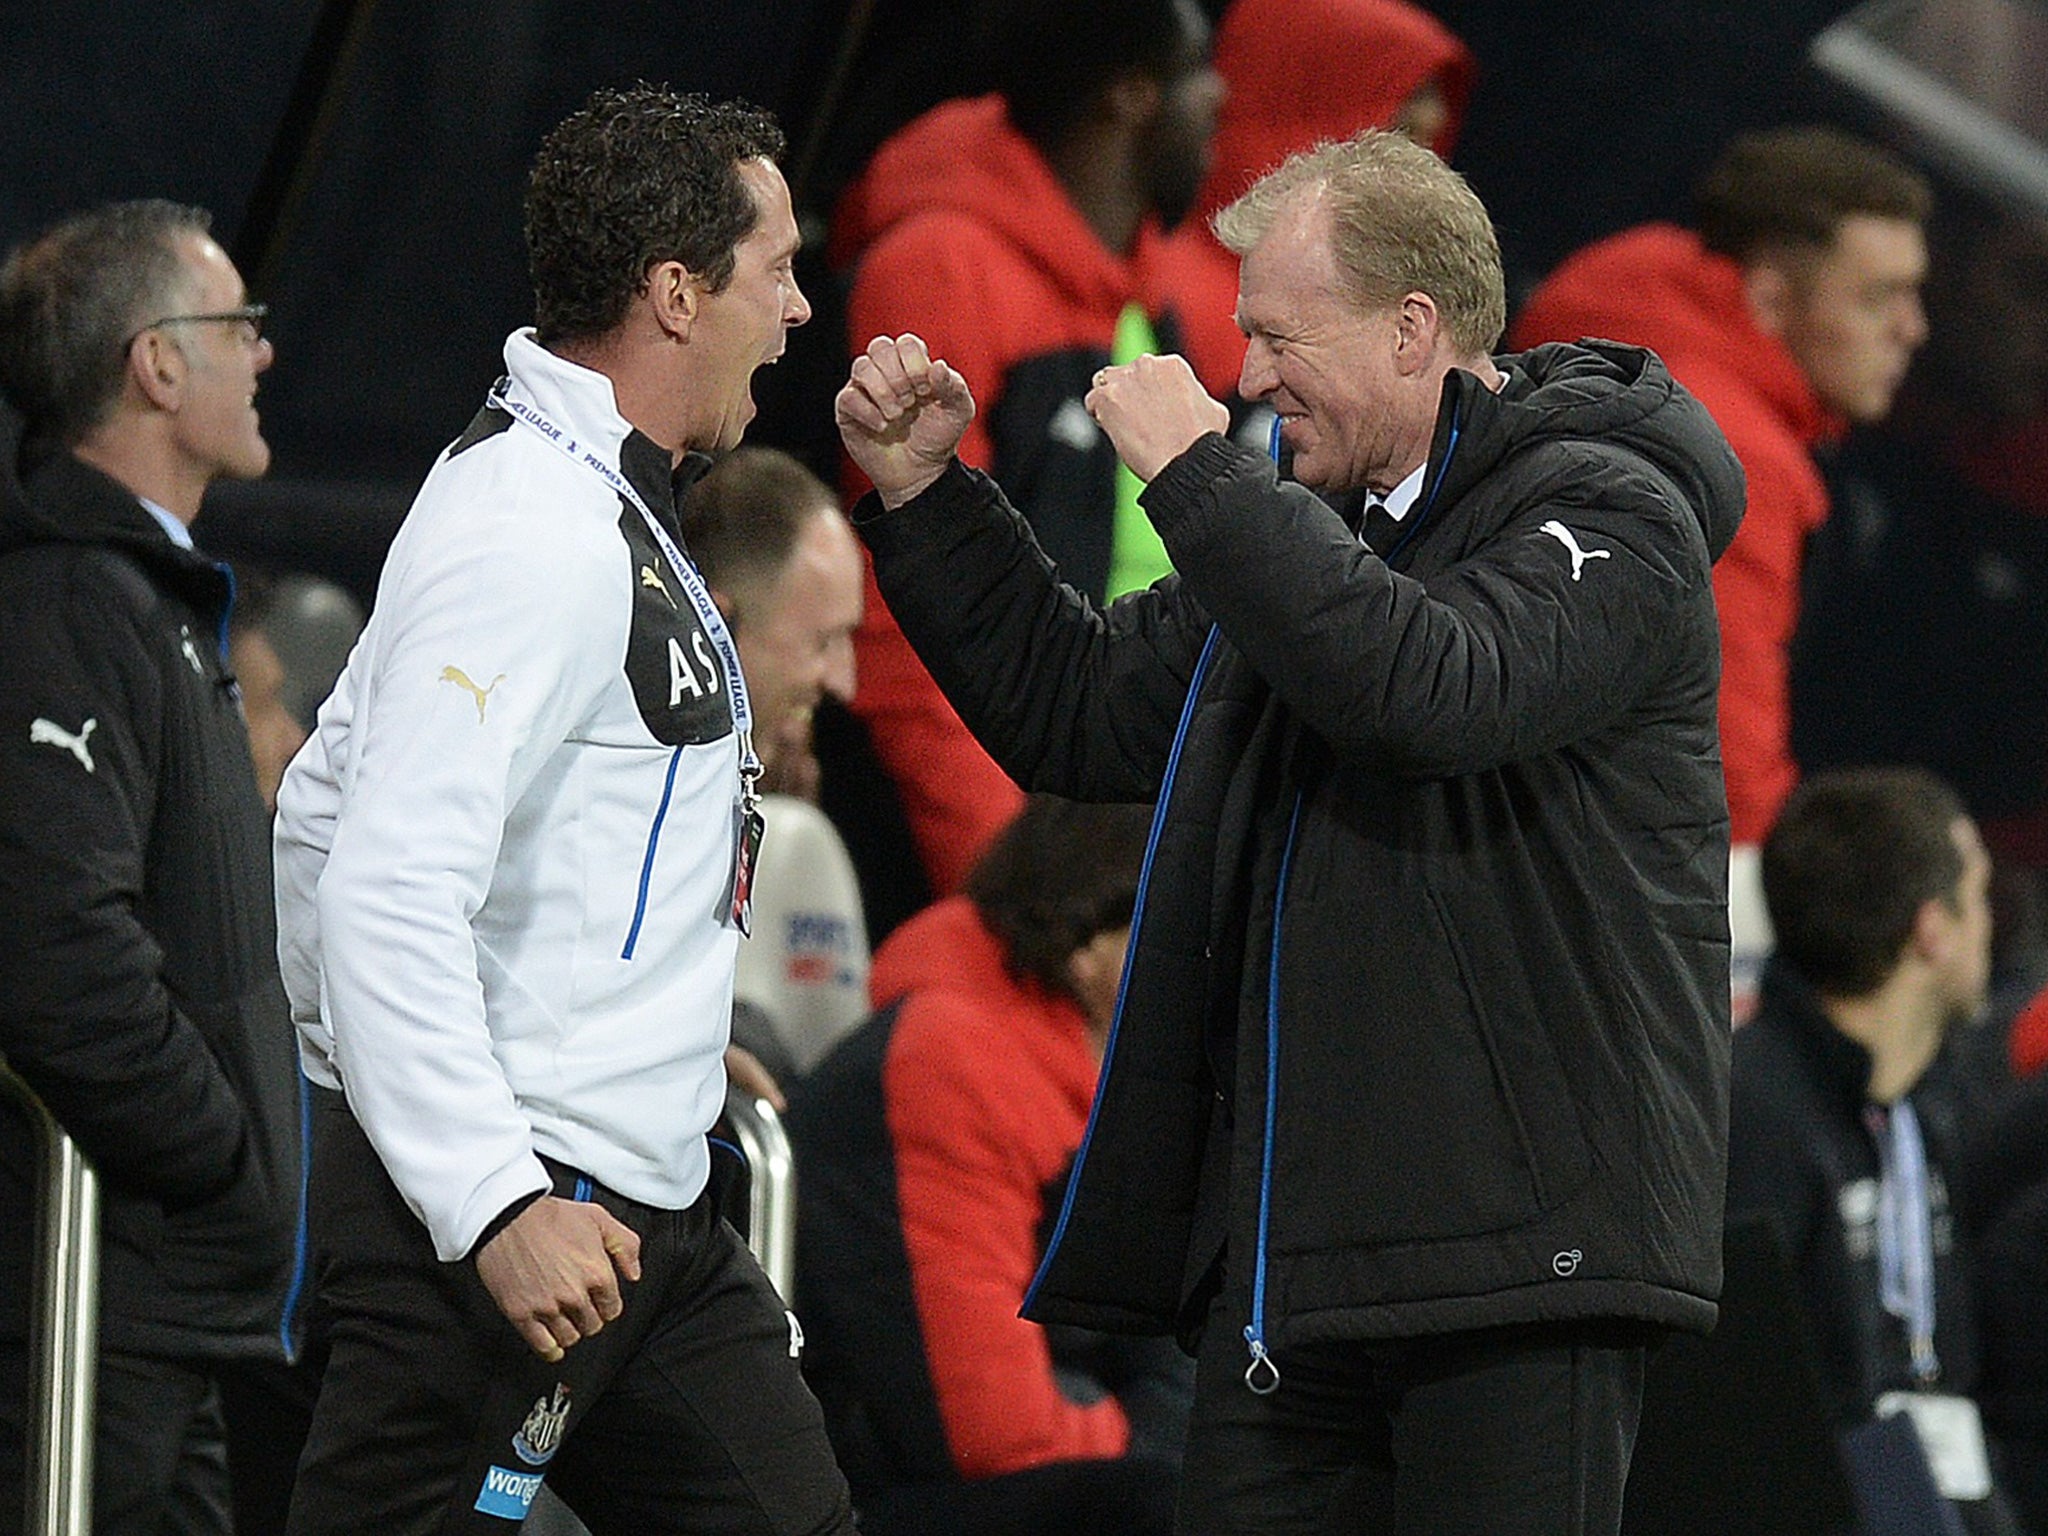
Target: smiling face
[(1326, 367), (795, 636), (215, 428), (1852, 315), (742, 326)]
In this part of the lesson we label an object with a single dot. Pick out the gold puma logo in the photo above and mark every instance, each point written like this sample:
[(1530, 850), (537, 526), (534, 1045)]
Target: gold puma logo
[(650, 577), (461, 680)]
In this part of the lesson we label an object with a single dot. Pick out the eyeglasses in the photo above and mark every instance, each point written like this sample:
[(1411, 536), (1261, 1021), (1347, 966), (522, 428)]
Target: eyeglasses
[(248, 316)]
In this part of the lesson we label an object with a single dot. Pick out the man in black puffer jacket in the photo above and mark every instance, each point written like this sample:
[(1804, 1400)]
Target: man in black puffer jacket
[(1415, 1113), (139, 994)]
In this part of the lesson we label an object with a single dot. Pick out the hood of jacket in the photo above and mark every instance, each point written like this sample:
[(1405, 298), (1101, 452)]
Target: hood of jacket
[(1598, 391), (963, 158), (1303, 71), (97, 510), (1656, 286)]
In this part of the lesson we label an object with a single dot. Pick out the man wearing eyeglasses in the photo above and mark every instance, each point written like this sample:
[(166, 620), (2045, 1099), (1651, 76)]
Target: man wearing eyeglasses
[(139, 993)]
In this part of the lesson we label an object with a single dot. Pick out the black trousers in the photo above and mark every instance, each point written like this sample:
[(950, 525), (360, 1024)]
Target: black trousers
[(687, 1413), (160, 1463), (1507, 1432)]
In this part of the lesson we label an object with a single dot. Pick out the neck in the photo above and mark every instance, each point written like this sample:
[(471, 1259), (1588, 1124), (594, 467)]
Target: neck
[(644, 386), (128, 452), (1431, 389), (1093, 164), (1900, 1024)]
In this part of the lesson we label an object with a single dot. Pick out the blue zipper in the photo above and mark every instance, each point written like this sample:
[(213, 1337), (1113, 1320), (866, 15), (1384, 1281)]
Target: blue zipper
[(1414, 525), (1187, 713), (647, 864), (286, 1332), (1263, 1375)]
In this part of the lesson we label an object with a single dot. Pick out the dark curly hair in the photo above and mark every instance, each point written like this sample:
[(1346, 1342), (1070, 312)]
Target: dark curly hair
[(636, 177), (1058, 875)]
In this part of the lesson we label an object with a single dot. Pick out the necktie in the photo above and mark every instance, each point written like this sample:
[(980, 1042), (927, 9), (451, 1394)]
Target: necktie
[(1381, 529)]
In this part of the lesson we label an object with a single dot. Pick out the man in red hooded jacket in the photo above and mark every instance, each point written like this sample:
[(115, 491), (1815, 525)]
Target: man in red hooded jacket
[(1297, 73), (1019, 232), (1790, 309)]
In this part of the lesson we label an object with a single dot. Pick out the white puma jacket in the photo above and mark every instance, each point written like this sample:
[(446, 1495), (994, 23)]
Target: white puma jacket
[(501, 856)]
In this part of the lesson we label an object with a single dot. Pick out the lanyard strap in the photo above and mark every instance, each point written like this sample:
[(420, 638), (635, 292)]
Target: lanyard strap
[(1905, 1231), (684, 569)]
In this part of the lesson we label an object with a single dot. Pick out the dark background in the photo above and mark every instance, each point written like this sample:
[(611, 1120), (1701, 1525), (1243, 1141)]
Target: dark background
[(364, 162)]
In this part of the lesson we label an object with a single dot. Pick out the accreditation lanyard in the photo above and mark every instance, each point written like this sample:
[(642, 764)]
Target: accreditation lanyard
[(1905, 1231), (685, 572)]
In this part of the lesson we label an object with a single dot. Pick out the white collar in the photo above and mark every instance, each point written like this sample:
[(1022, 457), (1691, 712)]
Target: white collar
[(579, 398), (1403, 496), (174, 529)]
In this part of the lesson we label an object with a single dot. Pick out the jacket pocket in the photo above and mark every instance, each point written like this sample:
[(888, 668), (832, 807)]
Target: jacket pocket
[(1421, 1099)]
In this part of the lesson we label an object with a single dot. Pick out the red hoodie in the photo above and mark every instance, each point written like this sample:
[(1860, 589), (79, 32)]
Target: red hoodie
[(963, 234), (1298, 72), (1657, 287), (986, 1088)]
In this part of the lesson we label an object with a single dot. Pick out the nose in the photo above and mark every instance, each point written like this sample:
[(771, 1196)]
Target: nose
[(1913, 321), (839, 670), (798, 309), (266, 353), (1257, 378)]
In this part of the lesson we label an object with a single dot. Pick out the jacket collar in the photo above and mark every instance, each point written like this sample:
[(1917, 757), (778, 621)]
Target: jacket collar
[(1842, 1065)]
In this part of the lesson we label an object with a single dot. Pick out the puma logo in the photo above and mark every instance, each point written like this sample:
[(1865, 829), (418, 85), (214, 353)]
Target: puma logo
[(461, 680), (47, 733), (650, 577), (1564, 536)]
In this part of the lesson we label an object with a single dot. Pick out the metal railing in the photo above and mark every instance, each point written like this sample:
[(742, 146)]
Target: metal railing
[(63, 1328), (771, 1185)]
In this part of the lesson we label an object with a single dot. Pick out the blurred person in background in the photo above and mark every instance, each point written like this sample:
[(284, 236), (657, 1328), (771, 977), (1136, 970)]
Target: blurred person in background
[(936, 1143), (1020, 233), (139, 990), (1295, 74)]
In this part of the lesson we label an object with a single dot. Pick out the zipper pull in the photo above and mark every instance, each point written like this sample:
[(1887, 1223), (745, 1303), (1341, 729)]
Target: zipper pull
[(1262, 1375)]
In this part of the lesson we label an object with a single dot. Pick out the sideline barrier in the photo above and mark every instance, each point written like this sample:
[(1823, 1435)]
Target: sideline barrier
[(771, 1185), (64, 1327)]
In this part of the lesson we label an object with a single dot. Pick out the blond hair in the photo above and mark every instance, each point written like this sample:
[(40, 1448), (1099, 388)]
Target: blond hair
[(1401, 221)]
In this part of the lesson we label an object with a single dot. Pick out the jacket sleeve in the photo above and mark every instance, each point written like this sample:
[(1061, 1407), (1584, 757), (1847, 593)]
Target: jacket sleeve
[(1067, 697), (970, 1200), (1553, 629), (88, 1019), (432, 779), (954, 797), (1756, 592)]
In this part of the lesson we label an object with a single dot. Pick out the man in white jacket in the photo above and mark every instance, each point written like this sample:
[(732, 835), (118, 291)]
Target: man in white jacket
[(513, 869)]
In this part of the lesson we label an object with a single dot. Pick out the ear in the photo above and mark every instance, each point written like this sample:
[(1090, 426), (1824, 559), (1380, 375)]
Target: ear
[(1933, 936), (1133, 99), (674, 296), (157, 368), (1417, 326), (1767, 285)]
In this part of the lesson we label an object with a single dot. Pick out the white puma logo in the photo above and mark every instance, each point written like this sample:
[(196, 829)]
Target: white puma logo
[(1563, 535), (43, 732), (461, 680)]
